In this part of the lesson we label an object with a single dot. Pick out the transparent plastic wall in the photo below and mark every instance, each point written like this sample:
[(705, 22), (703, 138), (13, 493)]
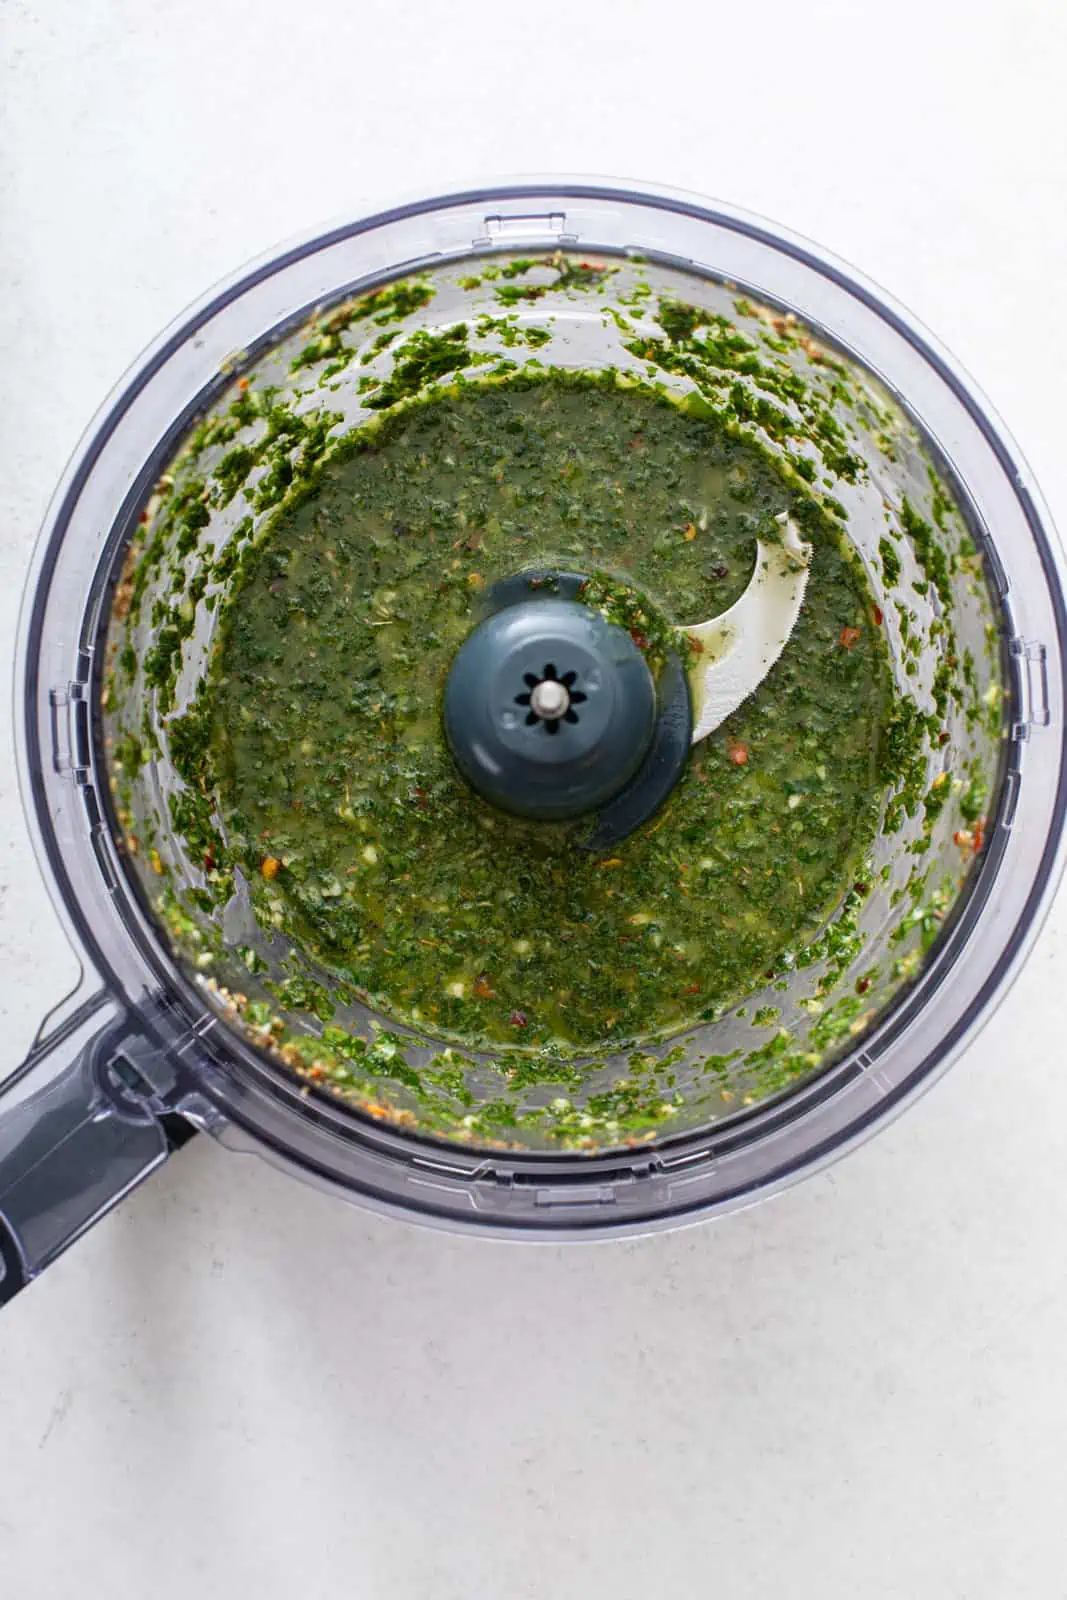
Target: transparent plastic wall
[(908, 412)]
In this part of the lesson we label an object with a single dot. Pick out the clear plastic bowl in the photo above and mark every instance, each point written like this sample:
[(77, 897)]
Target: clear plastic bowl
[(140, 1041)]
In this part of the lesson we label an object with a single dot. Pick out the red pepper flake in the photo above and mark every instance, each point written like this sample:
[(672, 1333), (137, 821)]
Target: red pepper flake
[(737, 753), (848, 637), (696, 645), (518, 1019), (639, 639), (970, 841), (637, 442), (944, 736), (420, 797), (242, 383), (483, 989), (209, 859), (876, 613), (862, 985), (691, 988)]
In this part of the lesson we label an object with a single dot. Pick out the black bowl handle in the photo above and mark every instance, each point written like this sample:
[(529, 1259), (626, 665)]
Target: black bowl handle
[(82, 1121)]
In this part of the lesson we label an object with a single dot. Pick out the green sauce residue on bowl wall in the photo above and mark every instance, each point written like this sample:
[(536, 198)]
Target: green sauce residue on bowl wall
[(521, 985)]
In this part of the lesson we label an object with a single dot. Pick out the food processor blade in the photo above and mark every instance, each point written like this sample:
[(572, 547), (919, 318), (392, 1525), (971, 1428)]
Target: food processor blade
[(738, 648)]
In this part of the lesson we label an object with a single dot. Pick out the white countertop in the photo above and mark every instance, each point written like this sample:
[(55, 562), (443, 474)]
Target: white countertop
[(236, 1384)]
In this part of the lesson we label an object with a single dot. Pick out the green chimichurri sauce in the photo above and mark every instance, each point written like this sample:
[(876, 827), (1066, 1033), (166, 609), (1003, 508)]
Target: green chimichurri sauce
[(341, 801)]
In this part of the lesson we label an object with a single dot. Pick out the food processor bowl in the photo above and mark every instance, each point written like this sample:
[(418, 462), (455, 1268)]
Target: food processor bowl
[(196, 1010)]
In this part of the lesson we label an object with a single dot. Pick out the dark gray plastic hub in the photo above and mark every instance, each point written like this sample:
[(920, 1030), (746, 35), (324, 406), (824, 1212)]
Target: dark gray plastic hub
[(549, 709)]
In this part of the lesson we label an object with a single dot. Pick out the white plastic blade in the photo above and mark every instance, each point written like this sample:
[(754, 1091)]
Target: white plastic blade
[(739, 648)]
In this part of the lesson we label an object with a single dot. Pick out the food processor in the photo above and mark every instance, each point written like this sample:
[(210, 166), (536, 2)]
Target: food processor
[(565, 700)]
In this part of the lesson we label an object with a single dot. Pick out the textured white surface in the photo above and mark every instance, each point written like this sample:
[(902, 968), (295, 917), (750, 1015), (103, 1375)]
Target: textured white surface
[(235, 1384)]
